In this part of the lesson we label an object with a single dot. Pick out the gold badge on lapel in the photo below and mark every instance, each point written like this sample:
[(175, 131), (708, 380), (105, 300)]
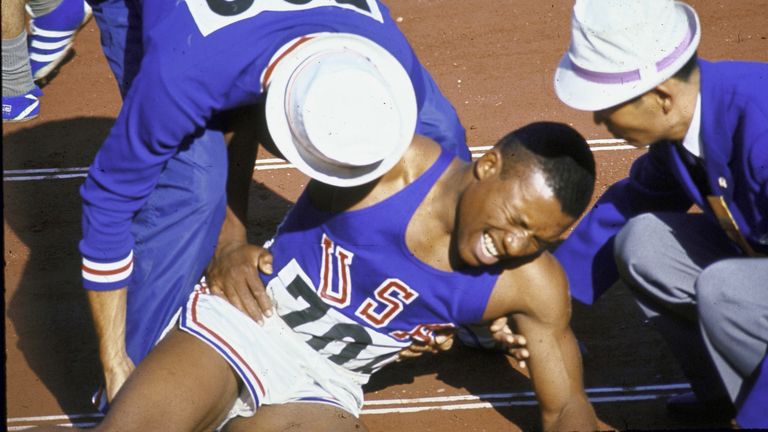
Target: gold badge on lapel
[(724, 216)]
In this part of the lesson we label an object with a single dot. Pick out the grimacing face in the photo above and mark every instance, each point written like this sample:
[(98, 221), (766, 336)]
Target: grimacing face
[(515, 217), (640, 121)]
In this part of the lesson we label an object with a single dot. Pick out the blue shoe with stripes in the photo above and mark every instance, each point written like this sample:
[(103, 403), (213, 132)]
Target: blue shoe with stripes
[(23, 107), (52, 36)]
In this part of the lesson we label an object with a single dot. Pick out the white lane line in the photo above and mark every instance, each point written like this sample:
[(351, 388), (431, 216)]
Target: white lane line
[(615, 147), (54, 417), (45, 170), (76, 425), (266, 164), (47, 177), (590, 391), (485, 405), (446, 403)]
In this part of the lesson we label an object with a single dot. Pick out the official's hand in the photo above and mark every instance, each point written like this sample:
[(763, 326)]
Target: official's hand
[(233, 274), (116, 372), (509, 342), (443, 341)]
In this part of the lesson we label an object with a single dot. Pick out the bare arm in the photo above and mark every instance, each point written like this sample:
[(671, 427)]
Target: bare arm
[(233, 273), (108, 311), (556, 374), (536, 297)]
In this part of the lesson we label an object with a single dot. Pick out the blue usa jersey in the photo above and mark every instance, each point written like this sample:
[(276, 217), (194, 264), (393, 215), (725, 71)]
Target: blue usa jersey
[(204, 57), (348, 283)]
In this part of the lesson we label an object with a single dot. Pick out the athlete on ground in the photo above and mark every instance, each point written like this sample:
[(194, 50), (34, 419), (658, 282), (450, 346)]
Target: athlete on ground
[(361, 272)]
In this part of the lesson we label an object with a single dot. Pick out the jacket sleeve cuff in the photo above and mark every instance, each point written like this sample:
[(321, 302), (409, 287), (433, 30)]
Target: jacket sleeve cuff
[(104, 276)]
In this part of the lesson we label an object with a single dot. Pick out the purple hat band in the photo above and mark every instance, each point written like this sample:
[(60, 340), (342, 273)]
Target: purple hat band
[(633, 75)]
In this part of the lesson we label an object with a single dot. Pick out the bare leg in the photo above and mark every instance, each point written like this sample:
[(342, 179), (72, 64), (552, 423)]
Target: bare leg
[(17, 71), (182, 385), (310, 417), (14, 18)]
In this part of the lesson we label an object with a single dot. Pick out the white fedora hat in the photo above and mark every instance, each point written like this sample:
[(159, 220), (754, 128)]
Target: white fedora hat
[(621, 49), (339, 107)]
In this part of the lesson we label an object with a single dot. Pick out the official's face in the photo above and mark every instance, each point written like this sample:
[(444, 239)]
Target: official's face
[(640, 121), (506, 218)]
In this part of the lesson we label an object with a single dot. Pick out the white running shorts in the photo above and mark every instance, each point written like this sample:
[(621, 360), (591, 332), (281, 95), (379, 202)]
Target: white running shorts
[(274, 363)]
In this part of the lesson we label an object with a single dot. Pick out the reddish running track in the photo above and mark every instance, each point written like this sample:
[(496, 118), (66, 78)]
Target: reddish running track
[(494, 60)]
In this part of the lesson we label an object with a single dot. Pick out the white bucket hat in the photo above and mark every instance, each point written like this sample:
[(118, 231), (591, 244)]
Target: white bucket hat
[(621, 49), (339, 107)]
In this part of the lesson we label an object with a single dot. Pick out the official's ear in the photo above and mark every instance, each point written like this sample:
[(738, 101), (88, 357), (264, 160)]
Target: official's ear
[(488, 165), (665, 95)]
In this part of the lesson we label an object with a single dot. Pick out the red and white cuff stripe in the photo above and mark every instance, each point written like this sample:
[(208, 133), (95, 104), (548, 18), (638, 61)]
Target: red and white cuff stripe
[(108, 272)]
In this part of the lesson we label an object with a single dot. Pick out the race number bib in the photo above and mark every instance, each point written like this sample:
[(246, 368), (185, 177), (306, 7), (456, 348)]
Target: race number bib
[(327, 330), (212, 15)]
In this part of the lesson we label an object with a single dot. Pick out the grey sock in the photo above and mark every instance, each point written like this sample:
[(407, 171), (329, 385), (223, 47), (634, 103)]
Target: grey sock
[(17, 73), (38, 8)]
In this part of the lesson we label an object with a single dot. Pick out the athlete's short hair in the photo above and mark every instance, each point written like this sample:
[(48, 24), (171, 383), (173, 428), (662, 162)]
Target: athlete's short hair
[(563, 156)]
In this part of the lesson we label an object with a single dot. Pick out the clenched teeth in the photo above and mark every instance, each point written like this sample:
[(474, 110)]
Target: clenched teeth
[(490, 248)]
